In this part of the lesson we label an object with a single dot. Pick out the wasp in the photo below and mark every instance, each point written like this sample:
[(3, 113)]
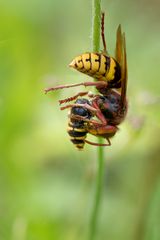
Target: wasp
[(101, 66), (99, 116), (77, 128), (107, 71), (102, 113)]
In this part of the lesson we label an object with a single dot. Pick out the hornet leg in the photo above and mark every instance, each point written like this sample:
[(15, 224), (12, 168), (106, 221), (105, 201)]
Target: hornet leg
[(99, 84), (99, 144), (80, 94)]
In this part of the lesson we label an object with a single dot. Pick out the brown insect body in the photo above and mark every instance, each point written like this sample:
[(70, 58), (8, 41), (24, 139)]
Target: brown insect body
[(108, 113), (110, 106), (99, 116)]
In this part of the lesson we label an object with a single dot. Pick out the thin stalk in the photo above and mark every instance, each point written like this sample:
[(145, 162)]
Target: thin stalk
[(98, 193), (96, 26)]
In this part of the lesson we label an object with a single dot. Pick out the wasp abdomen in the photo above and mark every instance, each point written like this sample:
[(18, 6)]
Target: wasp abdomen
[(99, 66), (77, 133), (76, 128)]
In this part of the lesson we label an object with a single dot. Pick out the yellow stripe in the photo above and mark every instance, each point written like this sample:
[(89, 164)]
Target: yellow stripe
[(79, 130), (70, 124), (93, 131), (79, 63), (78, 138), (69, 129), (111, 73), (86, 62), (102, 69), (75, 129), (94, 64)]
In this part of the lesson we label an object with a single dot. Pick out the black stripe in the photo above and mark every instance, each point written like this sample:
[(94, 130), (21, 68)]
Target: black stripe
[(76, 65), (73, 123), (118, 71), (108, 61), (77, 141), (107, 64), (79, 147), (73, 133), (114, 85), (116, 81), (86, 71)]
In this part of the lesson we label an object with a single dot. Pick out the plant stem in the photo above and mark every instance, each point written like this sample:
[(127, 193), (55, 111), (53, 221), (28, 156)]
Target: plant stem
[(96, 24), (96, 16), (98, 193)]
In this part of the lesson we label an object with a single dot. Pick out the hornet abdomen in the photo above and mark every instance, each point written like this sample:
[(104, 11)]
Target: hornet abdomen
[(100, 67)]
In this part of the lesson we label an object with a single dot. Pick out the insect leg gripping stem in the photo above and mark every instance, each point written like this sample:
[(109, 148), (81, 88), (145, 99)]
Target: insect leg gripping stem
[(99, 144)]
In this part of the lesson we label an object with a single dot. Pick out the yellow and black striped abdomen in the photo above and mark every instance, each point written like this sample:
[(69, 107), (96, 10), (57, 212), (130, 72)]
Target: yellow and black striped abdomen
[(77, 134), (77, 128), (98, 66)]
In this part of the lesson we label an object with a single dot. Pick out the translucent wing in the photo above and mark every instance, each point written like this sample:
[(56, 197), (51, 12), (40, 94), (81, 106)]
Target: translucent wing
[(119, 47), (121, 58), (123, 72)]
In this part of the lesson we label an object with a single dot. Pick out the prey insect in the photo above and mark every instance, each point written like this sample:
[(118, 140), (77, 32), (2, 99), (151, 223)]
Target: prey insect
[(80, 123), (77, 128), (109, 72), (99, 116)]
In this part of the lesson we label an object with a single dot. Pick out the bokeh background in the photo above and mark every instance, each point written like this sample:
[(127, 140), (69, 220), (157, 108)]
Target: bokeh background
[(46, 185)]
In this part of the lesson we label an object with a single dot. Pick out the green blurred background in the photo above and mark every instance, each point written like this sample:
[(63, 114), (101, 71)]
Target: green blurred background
[(46, 185)]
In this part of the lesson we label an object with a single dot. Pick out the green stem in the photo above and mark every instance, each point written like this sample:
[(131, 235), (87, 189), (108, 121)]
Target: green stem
[(98, 193), (96, 15), (96, 24)]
